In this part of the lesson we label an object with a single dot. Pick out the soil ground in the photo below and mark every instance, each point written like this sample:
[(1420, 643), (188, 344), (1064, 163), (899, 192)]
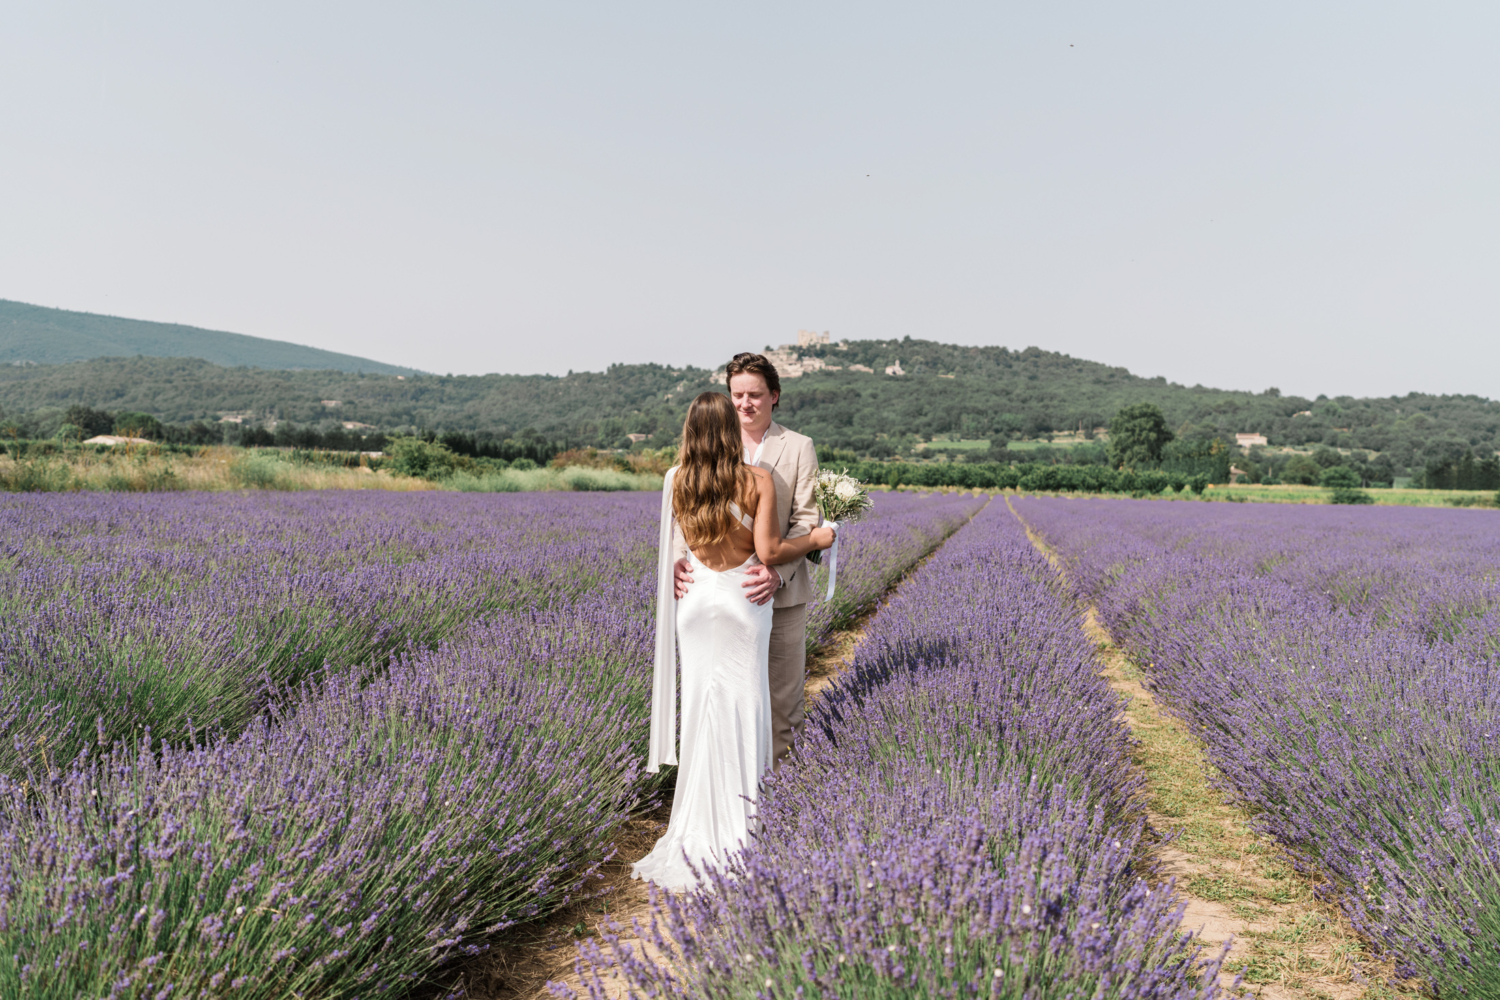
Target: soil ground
[(1237, 883)]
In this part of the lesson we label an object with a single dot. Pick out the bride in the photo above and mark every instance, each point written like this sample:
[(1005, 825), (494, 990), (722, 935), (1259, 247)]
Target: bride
[(725, 641)]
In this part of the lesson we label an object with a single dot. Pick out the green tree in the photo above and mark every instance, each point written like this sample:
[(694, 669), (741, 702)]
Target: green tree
[(89, 420), (142, 425), (1301, 469), (1137, 435), (411, 456), (1340, 477)]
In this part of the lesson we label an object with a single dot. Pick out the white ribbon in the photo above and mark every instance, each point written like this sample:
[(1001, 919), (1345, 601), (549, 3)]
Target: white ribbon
[(833, 560), (663, 748)]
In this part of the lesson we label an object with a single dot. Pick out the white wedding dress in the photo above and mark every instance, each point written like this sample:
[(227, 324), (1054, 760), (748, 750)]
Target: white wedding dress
[(726, 712)]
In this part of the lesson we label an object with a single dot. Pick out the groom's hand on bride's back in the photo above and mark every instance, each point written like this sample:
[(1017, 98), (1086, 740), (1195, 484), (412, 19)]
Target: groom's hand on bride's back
[(682, 575), (761, 583)]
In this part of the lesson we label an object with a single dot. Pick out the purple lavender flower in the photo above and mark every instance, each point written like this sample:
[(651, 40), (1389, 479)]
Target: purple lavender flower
[(1341, 668)]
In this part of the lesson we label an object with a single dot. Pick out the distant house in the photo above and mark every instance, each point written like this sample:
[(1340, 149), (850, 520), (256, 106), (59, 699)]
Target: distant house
[(1308, 413), (637, 438), (811, 338), (895, 369), (355, 425), (1248, 441), (862, 368), (332, 404)]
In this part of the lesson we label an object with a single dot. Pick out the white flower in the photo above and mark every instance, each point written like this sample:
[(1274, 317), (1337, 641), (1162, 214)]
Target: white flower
[(846, 489)]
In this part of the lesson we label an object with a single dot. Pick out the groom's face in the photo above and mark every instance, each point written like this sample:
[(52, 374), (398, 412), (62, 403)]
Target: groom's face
[(753, 400)]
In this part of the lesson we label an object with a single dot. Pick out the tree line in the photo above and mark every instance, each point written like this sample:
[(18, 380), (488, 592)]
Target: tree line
[(989, 394)]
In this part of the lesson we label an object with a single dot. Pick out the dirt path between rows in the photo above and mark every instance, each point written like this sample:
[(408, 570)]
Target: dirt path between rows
[(520, 966), (1237, 883)]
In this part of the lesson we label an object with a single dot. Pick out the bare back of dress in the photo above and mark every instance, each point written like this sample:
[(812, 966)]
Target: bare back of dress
[(724, 641)]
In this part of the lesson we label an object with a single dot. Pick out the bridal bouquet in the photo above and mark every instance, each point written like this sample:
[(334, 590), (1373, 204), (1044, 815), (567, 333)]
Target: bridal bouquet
[(840, 498)]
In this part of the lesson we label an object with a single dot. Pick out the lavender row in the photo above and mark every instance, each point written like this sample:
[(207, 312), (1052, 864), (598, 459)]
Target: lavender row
[(960, 820), (184, 613), (1341, 668), (343, 850), (189, 612), (875, 553), (362, 833)]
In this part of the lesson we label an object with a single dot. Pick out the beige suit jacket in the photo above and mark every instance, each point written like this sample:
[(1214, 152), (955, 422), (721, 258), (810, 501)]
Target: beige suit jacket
[(793, 464)]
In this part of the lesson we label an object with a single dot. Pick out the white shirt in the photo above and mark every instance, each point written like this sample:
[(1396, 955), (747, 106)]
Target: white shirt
[(752, 457)]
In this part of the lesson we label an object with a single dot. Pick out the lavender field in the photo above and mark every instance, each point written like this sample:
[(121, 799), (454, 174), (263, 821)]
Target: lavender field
[(961, 821), (320, 744), (325, 744), (1342, 668)]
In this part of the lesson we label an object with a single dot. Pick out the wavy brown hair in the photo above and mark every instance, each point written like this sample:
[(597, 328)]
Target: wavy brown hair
[(711, 471)]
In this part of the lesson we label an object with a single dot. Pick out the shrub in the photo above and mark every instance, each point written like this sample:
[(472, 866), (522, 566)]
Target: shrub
[(36, 476), (411, 456), (1148, 483), (144, 479), (523, 464), (1346, 495), (1199, 483), (257, 472)]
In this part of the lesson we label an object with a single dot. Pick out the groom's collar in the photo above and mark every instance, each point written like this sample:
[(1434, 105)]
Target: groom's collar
[(772, 444)]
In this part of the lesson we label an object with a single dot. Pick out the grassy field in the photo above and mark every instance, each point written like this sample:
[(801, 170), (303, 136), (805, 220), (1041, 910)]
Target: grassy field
[(1287, 493), (150, 469), (1272, 494), (965, 445)]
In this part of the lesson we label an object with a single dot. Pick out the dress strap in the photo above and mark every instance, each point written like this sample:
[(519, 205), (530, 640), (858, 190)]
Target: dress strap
[(745, 519)]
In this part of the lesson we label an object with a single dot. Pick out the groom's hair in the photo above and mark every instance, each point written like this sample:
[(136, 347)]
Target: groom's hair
[(746, 363)]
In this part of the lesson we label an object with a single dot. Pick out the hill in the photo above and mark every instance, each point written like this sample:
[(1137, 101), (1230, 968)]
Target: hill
[(39, 335), (978, 393)]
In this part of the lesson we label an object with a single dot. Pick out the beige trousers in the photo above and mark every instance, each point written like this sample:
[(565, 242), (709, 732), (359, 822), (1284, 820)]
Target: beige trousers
[(788, 669)]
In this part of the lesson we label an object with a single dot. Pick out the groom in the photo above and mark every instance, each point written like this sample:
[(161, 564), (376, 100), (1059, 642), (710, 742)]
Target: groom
[(755, 389)]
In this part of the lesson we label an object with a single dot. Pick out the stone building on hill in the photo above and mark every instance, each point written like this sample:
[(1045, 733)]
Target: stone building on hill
[(1248, 441), (791, 363)]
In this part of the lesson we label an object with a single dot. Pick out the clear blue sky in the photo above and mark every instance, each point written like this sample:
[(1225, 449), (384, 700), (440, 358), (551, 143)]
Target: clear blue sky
[(1243, 195)]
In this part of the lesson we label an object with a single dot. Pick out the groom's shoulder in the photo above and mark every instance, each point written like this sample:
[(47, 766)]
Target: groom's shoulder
[(795, 440)]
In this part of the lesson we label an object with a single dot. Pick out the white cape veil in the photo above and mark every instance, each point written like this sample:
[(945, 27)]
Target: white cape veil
[(663, 748)]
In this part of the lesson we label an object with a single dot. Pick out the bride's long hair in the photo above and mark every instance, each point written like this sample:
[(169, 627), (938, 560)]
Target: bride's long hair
[(711, 471)]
